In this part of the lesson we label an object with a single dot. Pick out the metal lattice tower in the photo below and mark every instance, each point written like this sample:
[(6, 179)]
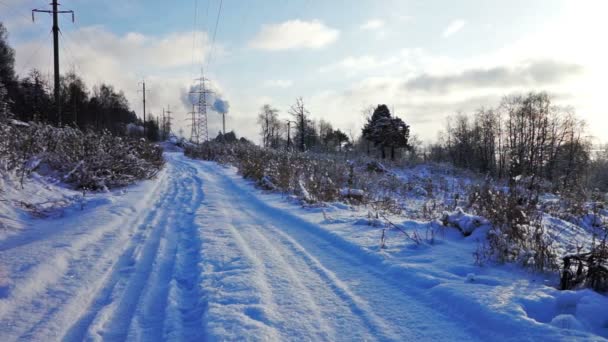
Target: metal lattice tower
[(202, 132), (194, 136)]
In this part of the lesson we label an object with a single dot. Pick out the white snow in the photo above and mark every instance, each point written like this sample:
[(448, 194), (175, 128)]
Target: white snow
[(18, 123), (200, 254), (352, 192), (466, 223)]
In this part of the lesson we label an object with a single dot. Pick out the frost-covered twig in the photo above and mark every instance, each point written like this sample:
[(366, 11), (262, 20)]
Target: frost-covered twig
[(415, 238)]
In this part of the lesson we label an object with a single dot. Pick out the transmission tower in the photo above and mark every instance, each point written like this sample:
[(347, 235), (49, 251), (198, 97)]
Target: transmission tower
[(201, 110), (166, 123), (194, 136), (169, 118)]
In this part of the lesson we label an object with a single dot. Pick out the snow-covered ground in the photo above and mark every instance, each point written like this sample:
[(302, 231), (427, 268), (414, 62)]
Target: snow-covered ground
[(200, 254)]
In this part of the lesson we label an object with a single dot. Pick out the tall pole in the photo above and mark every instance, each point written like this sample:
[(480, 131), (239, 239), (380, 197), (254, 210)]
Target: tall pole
[(162, 125), (55, 13), (144, 109), (56, 59), (143, 84), (302, 130), (224, 123), (167, 121), (288, 134)]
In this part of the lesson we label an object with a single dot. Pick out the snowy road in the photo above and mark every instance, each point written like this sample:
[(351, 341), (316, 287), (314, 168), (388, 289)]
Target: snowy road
[(198, 255)]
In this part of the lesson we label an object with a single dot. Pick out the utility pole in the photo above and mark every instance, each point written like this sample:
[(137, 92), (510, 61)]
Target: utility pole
[(289, 122), (167, 121), (143, 84), (55, 13), (162, 127), (302, 131)]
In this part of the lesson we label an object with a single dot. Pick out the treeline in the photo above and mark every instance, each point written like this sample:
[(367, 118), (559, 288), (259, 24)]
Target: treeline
[(524, 137), (31, 99), (86, 146), (299, 131), (383, 132)]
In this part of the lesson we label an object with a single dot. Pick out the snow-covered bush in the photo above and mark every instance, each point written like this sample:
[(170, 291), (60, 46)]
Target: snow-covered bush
[(589, 266), (466, 223), (84, 159), (517, 233), (313, 177)]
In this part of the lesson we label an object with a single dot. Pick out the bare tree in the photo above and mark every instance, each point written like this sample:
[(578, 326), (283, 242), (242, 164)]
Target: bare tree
[(301, 114), (268, 118), (525, 137)]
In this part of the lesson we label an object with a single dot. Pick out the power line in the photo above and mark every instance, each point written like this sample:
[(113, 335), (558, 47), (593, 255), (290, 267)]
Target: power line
[(36, 52), (70, 54), (194, 30), (14, 11), (78, 40), (217, 20), (205, 28)]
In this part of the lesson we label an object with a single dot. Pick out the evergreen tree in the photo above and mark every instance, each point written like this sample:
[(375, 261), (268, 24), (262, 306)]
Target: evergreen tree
[(4, 111), (7, 59), (385, 131)]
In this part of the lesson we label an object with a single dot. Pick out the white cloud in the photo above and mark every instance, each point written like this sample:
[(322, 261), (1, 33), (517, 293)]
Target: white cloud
[(534, 73), (352, 65), (278, 83), (405, 18), (425, 88), (99, 55), (453, 27), (294, 34), (373, 24)]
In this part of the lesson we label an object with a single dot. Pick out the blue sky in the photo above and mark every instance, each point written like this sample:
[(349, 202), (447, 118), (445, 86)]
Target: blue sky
[(426, 59)]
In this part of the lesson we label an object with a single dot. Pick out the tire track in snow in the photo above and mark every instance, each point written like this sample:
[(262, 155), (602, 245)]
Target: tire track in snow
[(372, 297), (302, 260), (176, 270), (186, 304), (119, 290), (301, 288), (55, 289), (153, 293), (235, 281)]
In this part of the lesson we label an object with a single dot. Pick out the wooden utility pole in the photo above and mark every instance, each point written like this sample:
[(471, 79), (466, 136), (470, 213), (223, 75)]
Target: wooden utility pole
[(289, 122), (55, 13), (302, 132), (288, 134), (143, 84)]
